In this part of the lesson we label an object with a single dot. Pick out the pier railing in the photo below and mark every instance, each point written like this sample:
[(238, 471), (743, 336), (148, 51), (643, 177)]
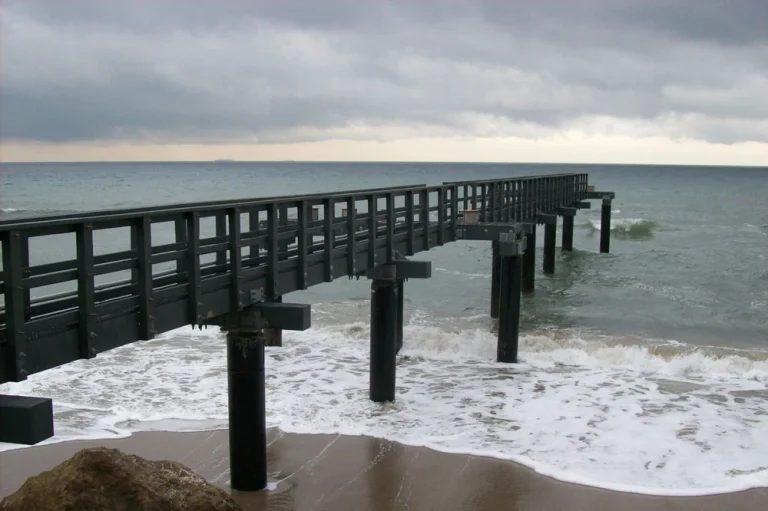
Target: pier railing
[(164, 267)]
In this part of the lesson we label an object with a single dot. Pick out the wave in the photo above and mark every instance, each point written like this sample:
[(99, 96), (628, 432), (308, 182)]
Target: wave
[(634, 228), (578, 408)]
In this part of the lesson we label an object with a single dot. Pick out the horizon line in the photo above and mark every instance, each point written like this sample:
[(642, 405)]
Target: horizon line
[(226, 161)]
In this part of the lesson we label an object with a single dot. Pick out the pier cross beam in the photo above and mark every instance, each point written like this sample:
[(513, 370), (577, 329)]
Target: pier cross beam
[(387, 322)]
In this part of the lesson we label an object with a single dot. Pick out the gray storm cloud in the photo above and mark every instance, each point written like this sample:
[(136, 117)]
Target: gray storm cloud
[(283, 71)]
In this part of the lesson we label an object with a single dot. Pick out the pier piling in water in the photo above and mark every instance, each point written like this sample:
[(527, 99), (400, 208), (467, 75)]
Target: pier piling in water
[(243, 295), (605, 225), (400, 304), (495, 279), (247, 400), (509, 307), (568, 216), (550, 233), (529, 261), (384, 330)]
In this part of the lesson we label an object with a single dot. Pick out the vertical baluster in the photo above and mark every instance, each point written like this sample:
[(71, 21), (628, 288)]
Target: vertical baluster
[(86, 292), (144, 255), (351, 236), (14, 246), (235, 261)]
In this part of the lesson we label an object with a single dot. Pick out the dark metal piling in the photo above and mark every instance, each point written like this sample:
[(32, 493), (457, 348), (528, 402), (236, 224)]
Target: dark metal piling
[(384, 305), (400, 304), (495, 279), (550, 232), (529, 261), (605, 225), (247, 403), (509, 309), (567, 233)]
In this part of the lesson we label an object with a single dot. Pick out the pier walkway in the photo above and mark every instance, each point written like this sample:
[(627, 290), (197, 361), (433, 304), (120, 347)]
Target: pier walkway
[(170, 271)]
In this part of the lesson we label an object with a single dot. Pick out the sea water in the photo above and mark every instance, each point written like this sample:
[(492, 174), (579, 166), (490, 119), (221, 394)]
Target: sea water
[(645, 369)]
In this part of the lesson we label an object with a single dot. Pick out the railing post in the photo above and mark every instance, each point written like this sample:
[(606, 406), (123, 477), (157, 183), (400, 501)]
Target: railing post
[(193, 269), (390, 228), (86, 292), (329, 211), (303, 277), (454, 211), (14, 246), (221, 231), (180, 228), (144, 255), (351, 236), (373, 227), (235, 262), (273, 254), (441, 216), (425, 217)]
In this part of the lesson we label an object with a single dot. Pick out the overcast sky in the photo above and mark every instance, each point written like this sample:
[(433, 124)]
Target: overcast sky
[(670, 80)]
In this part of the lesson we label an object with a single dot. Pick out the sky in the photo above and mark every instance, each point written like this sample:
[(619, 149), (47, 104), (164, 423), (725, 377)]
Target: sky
[(624, 81)]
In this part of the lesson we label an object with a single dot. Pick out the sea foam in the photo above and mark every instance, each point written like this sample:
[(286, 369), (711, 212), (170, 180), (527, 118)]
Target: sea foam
[(661, 418)]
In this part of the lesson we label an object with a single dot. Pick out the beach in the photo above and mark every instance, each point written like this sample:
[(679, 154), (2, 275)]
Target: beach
[(337, 473)]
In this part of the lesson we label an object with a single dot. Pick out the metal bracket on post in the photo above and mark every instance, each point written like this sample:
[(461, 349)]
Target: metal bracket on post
[(401, 269), (567, 211), (511, 246), (487, 231), (546, 219)]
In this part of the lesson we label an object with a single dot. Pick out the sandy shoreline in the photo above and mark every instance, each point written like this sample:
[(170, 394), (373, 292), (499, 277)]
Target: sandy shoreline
[(334, 473)]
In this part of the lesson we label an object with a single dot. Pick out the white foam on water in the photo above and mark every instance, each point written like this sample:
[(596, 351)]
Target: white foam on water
[(661, 419), (625, 225)]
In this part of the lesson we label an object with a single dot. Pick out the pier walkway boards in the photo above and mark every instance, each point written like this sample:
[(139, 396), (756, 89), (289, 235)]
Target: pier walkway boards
[(75, 286)]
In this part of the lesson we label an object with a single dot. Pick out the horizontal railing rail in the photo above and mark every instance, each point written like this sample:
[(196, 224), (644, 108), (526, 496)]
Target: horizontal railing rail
[(163, 267)]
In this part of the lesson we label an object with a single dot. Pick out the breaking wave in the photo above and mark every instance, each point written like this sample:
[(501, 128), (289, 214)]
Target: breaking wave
[(579, 408), (634, 228)]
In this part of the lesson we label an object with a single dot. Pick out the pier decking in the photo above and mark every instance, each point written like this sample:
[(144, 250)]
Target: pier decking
[(172, 273)]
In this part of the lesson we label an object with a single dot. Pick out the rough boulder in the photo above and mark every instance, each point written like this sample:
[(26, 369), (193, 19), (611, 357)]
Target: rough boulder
[(108, 479)]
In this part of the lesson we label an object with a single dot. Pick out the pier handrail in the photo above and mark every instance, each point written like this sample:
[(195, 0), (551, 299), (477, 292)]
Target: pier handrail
[(291, 243)]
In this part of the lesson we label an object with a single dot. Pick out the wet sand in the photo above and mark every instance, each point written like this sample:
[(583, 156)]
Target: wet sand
[(337, 473)]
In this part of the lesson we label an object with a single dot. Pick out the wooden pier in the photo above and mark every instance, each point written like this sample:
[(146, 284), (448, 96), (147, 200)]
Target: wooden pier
[(260, 251)]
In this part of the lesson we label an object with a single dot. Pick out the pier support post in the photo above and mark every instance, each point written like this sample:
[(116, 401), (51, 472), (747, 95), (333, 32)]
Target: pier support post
[(400, 304), (605, 225), (247, 403), (529, 261), (274, 336), (509, 313), (495, 280), (384, 326), (550, 233), (567, 233)]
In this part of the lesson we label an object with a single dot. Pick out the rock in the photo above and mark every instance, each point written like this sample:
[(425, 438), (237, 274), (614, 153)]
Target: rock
[(108, 479)]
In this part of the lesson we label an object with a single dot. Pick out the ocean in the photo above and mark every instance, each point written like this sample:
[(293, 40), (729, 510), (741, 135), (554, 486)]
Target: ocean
[(645, 369)]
